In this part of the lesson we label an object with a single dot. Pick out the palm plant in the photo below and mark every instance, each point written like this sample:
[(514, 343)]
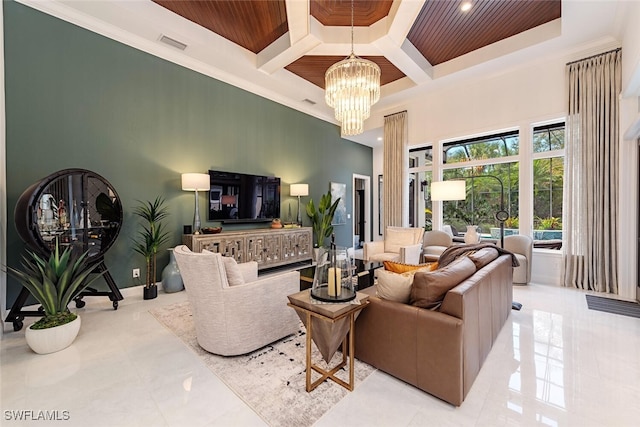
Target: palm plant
[(322, 217), (152, 236), (54, 283)]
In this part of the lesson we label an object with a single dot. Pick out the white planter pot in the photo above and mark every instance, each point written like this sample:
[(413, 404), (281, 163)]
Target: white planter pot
[(50, 340)]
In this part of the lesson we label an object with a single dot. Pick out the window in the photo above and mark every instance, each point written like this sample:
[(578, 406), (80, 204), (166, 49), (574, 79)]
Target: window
[(548, 180), (484, 197), (488, 147), (491, 179), (420, 177)]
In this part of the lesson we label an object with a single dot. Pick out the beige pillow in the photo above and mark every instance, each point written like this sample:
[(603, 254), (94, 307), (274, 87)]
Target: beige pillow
[(483, 257), (395, 286), (234, 274), (429, 288)]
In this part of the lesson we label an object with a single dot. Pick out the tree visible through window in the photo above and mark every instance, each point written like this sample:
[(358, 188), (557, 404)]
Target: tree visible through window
[(489, 158), (548, 180)]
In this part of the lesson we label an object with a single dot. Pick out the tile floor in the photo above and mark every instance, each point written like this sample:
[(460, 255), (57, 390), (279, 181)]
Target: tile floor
[(555, 363)]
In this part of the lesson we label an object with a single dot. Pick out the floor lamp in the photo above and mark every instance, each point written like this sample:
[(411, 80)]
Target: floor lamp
[(299, 190), (195, 182), (501, 215)]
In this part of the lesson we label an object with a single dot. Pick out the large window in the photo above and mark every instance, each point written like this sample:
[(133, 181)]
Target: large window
[(548, 176), (490, 166), (491, 176)]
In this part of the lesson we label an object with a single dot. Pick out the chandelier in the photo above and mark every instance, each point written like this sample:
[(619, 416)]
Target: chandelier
[(352, 86)]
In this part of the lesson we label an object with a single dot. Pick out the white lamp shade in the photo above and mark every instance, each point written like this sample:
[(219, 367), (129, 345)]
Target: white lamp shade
[(448, 190), (195, 181), (299, 189)]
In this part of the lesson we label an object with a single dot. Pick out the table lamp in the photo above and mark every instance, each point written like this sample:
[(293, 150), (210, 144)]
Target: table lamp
[(195, 182), (299, 190)]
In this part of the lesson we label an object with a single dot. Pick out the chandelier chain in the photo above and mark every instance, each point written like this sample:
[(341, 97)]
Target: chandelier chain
[(352, 1)]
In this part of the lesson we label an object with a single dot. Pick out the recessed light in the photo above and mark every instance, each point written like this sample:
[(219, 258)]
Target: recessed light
[(466, 6), (379, 138)]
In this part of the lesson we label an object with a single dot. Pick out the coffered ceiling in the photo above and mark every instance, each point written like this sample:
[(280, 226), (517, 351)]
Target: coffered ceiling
[(280, 49), (439, 30)]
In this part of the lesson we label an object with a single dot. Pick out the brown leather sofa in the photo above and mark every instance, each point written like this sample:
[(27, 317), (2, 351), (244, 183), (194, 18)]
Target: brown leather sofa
[(440, 352)]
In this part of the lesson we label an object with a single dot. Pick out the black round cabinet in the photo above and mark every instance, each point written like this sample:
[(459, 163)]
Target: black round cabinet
[(79, 209)]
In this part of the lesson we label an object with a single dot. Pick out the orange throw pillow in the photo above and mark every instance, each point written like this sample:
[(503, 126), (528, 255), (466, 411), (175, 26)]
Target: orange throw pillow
[(398, 267)]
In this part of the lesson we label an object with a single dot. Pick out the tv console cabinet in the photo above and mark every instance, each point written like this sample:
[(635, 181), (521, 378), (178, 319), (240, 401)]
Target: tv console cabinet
[(269, 247)]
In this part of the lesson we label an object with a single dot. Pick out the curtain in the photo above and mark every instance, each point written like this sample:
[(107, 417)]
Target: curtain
[(395, 168), (591, 173)]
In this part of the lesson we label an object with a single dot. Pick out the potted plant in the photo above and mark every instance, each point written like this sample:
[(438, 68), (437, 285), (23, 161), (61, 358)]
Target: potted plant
[(150, 239), (54, 283), (322, 217)]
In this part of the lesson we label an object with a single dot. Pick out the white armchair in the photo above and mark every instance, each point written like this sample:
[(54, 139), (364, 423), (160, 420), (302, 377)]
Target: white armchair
[(233, 320), (435, 242), (400, 244), (522, 247)]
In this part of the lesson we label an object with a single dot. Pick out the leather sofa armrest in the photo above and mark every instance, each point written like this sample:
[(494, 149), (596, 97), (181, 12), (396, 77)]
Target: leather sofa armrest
[(411, 254), (386, 336), (372, 248), (440, 355)]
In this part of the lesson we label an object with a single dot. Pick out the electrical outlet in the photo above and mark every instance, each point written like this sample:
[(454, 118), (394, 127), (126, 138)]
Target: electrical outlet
[(136, 273)]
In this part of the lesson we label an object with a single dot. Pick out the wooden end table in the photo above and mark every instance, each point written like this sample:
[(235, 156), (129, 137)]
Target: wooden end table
[(328, 325)]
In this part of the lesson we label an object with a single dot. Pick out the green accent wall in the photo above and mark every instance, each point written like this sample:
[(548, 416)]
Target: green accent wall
[(78, 99)]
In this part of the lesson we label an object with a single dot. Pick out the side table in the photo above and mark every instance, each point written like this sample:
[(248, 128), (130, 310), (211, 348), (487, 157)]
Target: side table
[(328, 325)]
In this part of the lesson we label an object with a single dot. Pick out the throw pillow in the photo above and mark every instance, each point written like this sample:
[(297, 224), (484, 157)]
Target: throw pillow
[(398, 267), (394, 286), (429, 288), (395, 238), (483, 257), (234, 275)]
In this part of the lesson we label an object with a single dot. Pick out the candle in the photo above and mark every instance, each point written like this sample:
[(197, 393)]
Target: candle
[(335, 279)]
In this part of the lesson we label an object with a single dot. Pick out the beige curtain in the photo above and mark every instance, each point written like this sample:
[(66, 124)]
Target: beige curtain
[(395, 168), (591, 173)]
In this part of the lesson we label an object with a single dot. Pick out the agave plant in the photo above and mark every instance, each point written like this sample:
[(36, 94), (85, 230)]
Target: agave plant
[(152, 236), (54, 283), (322, 217)]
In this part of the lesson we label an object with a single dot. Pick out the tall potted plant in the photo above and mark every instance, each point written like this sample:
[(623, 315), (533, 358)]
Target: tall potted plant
[(151, 237), (54, 282), (322, 217)]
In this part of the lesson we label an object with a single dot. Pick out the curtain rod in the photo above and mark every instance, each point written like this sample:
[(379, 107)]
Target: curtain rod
[(393, 114), (593, 56)]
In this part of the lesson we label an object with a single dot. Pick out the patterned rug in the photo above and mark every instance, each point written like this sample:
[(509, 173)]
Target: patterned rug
[(270, 380)]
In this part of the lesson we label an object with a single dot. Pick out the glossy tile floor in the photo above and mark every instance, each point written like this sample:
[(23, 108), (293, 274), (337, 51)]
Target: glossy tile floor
[(554, 363)]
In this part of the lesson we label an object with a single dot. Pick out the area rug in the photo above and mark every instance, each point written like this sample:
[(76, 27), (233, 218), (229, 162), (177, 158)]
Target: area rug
[(610, 305), (270, 380)]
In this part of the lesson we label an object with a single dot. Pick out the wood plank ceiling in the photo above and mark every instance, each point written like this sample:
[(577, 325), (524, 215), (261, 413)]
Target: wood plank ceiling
[(441, 32)]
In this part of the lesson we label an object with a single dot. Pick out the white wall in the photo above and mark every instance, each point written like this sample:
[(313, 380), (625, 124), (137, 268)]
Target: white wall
[(628, 173), (631, 49)]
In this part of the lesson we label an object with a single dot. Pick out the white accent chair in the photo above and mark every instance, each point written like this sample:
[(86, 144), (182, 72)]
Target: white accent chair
[(400, 244), (233, 320), (434, 243), (522, 247)]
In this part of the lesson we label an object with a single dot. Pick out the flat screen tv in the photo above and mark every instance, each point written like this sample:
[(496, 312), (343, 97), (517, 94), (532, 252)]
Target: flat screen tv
[(239, 197)]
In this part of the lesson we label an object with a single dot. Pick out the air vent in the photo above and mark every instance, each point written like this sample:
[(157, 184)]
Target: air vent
[(308, 101), (173, 43)]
